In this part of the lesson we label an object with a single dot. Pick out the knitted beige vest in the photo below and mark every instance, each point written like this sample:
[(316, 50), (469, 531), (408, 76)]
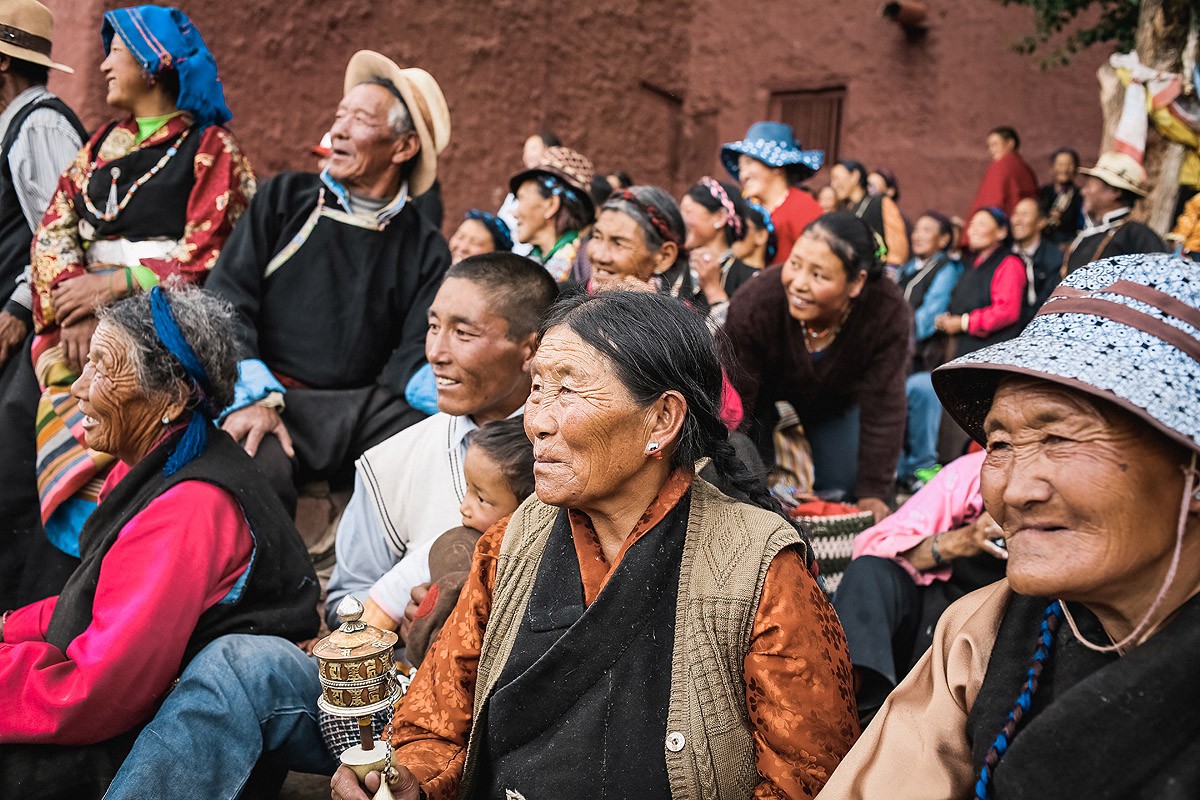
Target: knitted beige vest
[(729, 546)]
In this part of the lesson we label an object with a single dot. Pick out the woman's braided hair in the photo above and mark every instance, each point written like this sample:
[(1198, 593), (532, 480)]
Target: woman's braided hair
[(655, 344)]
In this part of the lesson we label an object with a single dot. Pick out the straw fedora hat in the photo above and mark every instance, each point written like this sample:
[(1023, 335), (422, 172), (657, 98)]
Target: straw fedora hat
[(425, 102), (26, 31), (1120, 171)]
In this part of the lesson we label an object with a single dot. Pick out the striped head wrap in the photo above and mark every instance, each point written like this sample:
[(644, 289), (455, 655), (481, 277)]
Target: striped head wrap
[(653, 214), (734, 220), (172, 338)]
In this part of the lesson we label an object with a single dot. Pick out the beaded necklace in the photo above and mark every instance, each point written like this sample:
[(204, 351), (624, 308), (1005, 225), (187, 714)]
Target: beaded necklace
[(112, 208), (811, 337)]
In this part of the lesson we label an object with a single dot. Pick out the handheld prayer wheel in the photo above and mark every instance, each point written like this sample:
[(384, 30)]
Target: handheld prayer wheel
[(357, 680)]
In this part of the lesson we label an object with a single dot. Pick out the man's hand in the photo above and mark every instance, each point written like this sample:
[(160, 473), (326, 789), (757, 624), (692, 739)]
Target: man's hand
[(79, 297), (250, 424), (410, 611), (76, 340), (876, 506), (345, 785), (12, 333)]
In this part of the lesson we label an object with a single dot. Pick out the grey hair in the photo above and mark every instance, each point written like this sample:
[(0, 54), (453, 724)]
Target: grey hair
[(661, 200), (399, 120), (208, 324)]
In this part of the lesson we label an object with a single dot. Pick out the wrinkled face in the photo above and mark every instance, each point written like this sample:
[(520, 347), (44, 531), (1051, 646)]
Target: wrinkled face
[(843, 181), (532, 152), (983, 232), (703, 226), (618, 249), (534, 212), (118, 418), (479, 371), (818, 289), (757, 178), (124, 78), (1098, 197), (927, 237), (998, 146), (589, 436), (1026, 220), (1064, 168), (488, 498), (363, 148), (1087, 495), (471, 239)]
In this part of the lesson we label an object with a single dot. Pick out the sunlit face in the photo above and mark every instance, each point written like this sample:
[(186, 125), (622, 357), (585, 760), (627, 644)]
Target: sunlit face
[(704, 227), (818, 289), (479, 371), (759, 179), (1026, 220), (1087, 495), (983, 233), (471, 239), (589, 436), (363, 148), (125, 80), (843, 181), (488, 498), (534, 212), (927, 237), (1064, 169), (618, 250), (118, 417)]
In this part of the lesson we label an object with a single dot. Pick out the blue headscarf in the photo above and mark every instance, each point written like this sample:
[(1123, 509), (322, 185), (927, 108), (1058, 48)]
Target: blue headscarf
[(498, 228), (164, 38), (196, 435)]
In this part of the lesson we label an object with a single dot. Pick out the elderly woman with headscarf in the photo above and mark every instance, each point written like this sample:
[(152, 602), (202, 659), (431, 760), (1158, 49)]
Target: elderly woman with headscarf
[(630, 631), (150, 195), (554, 205), (188, 544), (1075, 676)]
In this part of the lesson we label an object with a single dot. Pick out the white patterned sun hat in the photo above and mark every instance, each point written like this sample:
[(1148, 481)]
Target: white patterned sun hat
[(1124, 329), (774, 144)]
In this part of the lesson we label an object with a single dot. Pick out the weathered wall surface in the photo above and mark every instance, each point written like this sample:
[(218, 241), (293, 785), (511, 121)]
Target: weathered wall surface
[(650, 87)]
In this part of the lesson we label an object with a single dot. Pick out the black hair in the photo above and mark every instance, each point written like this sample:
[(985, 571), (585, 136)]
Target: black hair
[(701, 195), (1001, 219), (505, 443), (851, 240), (37, 74), (856, 166), (601, 189), (945, 226), (572, 215), (1008, 134), (656, 344), (1066, 151), (549, 139), (760, 217), (623, 179), (520, 290)]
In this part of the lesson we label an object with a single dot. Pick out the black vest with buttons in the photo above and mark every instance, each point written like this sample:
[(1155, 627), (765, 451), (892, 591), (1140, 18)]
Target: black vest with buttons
[(580, 709), (974, 290)]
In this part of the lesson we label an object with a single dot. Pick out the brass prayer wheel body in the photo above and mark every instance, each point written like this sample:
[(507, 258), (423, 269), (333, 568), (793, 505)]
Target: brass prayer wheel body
[(355, 666)]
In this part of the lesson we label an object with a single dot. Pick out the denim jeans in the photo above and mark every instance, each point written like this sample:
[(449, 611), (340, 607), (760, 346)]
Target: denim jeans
[(240, 698), (921, 432)]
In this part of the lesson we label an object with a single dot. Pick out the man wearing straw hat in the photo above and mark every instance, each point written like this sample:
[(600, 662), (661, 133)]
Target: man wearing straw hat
[(1109, 193), (39, 136), (332, 276)]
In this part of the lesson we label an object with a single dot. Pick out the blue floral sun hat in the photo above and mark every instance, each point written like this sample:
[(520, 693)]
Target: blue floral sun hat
[(1124, 329), (774, 144)]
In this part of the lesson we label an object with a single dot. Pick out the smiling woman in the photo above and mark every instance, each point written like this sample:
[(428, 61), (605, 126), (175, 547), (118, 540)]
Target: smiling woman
[(1089, 418), (629, 595)]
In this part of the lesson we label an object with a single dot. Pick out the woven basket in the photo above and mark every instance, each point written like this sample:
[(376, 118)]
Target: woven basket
[(833, 540)]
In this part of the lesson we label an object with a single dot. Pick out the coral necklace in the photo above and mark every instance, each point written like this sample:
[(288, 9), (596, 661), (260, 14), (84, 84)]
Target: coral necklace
[(112, 208)]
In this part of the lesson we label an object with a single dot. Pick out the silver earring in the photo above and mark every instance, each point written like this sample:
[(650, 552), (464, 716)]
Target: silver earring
[(652, 447), (716, 226), (166, 420)]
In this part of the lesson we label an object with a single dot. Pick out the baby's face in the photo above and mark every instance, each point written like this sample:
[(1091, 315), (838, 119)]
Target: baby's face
[(488, 499)]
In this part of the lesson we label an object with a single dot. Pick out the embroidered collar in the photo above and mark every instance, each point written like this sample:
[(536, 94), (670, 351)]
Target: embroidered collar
[(384, 215), (1109, 221)]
